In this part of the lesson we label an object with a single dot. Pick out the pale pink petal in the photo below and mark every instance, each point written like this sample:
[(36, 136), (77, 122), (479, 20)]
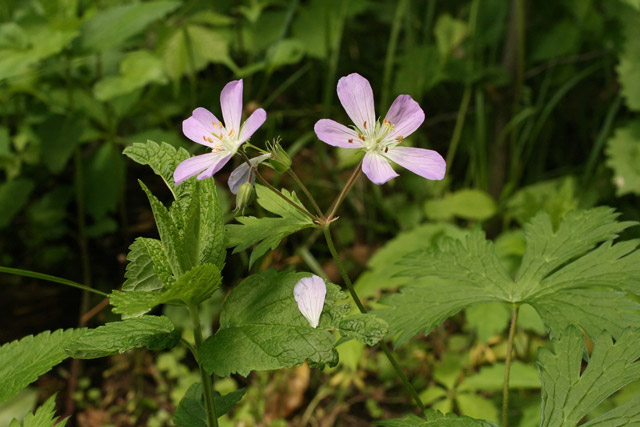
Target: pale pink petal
[(193, 166), (333, 133), (241, 174), (252, 124), (199, 131), (205, 116), (377, 168), (217, 163), (356, 96), (310, 293), (231, 104), (426, 163), (405, 115)]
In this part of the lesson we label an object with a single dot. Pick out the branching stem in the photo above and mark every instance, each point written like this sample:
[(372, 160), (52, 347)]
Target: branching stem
[(336, 204)]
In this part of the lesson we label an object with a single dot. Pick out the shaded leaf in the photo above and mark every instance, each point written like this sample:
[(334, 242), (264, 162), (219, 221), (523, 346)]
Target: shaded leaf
[(13, 196), (137, 70), (191, 411), (148, 268), (434, 419)]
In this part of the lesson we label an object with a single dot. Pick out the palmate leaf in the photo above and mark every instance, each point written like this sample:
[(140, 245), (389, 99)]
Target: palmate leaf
[(569, 393), (261, 327), (153, 332), (23, 361), (562, 276), (434, 419), (192, 288), (45, 416), (267, 232)]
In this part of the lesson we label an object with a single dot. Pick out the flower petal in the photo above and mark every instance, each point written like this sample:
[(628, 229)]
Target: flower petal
[(333, 133), (356, 96), (252, 124), (200, 126), (405, 115), (231, 104), (240, 175), (426, 163), (193, 166), (377, 168), (310, 293), (217, 163)]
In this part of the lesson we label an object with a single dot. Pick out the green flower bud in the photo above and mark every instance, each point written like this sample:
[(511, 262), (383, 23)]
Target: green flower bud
[(244, 197), (280, 160)]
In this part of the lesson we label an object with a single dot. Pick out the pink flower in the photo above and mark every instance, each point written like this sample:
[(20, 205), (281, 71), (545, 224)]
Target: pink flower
[(224, 140), (380, 141)]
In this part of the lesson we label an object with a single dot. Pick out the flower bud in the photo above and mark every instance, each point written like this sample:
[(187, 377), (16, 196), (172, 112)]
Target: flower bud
[(280, 160), (244, 197)]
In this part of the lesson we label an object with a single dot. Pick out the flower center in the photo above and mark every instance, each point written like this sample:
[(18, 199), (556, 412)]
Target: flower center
[(222, 139), (380, 138)]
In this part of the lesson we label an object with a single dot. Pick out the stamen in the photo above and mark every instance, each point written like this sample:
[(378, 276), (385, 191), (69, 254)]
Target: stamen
[(215, 125), (361, 136), (386, 149), (350, 141), (231, 132), (399, 138), (365, 124)]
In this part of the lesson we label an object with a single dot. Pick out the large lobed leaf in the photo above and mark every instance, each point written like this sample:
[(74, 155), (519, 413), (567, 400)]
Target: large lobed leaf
[(267, 232), (23, 361), (564, 275), (261, 327), (569, 393)]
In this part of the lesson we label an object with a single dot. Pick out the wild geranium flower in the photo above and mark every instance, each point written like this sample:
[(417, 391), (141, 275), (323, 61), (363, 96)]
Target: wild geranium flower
[(380, 140), (309, 293), (242, 174), (224, 140)]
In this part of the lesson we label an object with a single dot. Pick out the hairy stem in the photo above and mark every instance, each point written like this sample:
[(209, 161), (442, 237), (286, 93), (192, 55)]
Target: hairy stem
[(507, 368), (383, 345), (336, 204), (207, 380), (306, 192)]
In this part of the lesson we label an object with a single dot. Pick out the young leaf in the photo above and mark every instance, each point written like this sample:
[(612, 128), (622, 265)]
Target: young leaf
[(267, 232), (261, 327), (569, 393), (45, 416), (192, 288), (148, 268), (559, 274), (153, 332), (434, 418), (22, 362), (191, 411)]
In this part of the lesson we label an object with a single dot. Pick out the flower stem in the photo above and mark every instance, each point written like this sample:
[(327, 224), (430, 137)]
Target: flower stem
[(275, 190), (383, 345), (306, 192), (207, 380), (507, 368), (336, 204)]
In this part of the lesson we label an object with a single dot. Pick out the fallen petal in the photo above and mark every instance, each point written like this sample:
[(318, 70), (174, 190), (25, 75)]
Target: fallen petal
[(310, 293)]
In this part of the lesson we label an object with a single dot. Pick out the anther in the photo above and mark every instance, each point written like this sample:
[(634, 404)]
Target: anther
[(350, 141), (365, 124), (399, 138), (231, 132)]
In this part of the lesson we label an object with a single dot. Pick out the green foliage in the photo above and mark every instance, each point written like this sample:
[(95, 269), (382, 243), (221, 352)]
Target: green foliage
[(467, 204), (261, 327), (153, 332), (13, 196), (148, 268), (23, 361), (191, 411), (267, 232), (630, 59), (561, 275), (434, 418), (109, 28), (192, 288), (45, 416), (137, 70), (623, 156), (569, 393)]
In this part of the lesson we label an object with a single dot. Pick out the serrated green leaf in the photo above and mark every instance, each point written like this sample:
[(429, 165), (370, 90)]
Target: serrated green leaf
[(45, 416), (148, 268), (23, 361), (153, 332), (491, 378), (434, 419), (623, 156), (262, 328), (191, 411), (195, 286), (627, 414), (133, 303), (110, 27), (569, 392), (559, 271), (366, 328), (267, 232), (163, 159)]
